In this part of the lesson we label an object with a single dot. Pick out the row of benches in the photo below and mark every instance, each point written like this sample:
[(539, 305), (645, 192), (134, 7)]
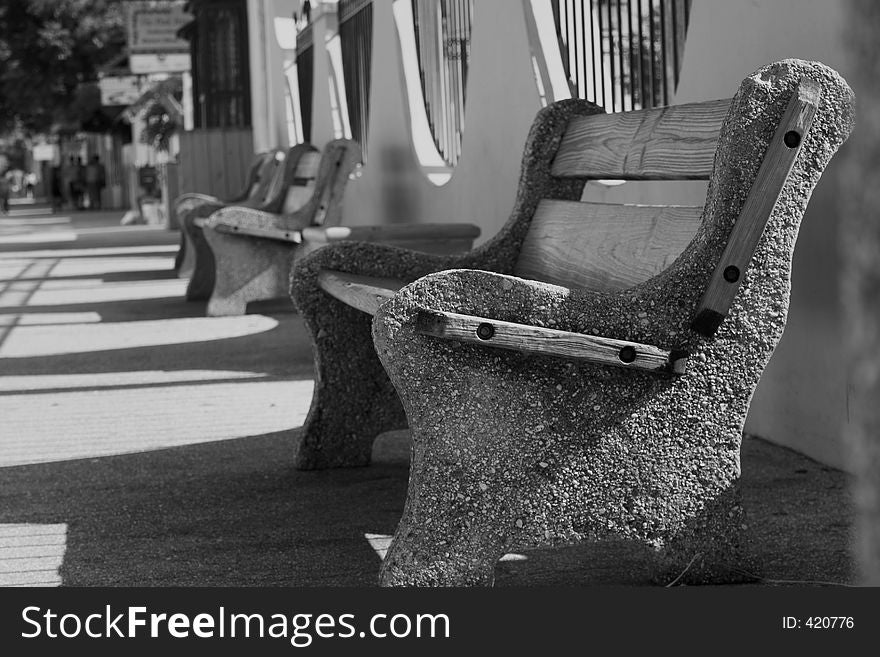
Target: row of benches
[(586, 372), (240, 250)]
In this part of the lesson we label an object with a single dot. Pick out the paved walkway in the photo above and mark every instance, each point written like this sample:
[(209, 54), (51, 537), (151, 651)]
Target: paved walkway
[(144, 444), (95, 336), (100, 355)]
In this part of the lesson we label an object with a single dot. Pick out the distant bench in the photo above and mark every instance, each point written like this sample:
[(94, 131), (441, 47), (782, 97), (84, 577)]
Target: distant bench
[(586, 373), (254, 250), (255, 186), (288, 184), (252, 247)]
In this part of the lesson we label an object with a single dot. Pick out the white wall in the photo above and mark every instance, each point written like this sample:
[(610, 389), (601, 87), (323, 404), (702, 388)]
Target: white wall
[(501, 103), (268, 117), (801, 401)]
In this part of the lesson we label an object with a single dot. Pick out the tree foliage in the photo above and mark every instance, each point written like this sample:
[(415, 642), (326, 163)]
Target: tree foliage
[(48, 48)]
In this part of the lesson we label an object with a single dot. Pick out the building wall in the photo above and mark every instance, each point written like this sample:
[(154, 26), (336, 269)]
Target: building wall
[(268, 118), (502, 99), (802, 399), (860, 240)]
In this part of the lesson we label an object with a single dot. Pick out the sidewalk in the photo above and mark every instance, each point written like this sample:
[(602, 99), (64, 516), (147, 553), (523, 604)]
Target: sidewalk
[(144, 444)]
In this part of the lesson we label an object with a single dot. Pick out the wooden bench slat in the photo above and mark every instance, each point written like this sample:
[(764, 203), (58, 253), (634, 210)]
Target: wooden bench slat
[(307, 167), (366, 293), (601, 246), (749, 227), (664, 143), (278, 234), (297, 196), (549, 342), (268, 178)]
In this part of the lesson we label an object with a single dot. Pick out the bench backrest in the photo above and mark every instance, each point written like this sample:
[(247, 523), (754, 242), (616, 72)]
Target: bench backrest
[(302, 185), (297, 172), (265, 177), (605, 246), (338, 161), (252, 181)]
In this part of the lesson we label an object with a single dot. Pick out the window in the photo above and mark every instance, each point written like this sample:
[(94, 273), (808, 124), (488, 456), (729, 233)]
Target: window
[(305, 59), (356, 36), (622, 54), (219, 49), (443, 44)]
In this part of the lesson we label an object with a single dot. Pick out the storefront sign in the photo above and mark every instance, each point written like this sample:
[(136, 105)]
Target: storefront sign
[(152, 26), (119, 90), (144, 64)]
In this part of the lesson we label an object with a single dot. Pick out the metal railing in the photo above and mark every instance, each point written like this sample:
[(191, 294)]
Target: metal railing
[(443, 43), (622, 54), (356, 40)]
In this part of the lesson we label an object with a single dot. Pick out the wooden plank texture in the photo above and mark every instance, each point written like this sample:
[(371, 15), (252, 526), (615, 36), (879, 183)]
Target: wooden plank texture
[(549, 342), (272, 172), (366, 293), (308, 165), (749, 227), (664, 143), (299, 193), (601, 246), (213, 161), (328, 186), (278, 234)]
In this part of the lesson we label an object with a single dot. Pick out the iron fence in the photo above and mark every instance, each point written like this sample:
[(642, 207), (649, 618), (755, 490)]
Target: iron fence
[(622, 54), (356, 39), (443, 44), (305, 59)]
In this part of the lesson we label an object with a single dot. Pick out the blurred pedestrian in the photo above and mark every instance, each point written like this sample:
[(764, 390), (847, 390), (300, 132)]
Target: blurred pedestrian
[(80, 182), (68, 181), (56, 186), (4, 194), (96, 179)]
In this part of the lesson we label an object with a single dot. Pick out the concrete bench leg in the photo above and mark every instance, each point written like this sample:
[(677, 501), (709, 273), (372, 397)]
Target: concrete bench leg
[(353, 400), (246, 269), (185, 260), (715, 546), (201, 280)]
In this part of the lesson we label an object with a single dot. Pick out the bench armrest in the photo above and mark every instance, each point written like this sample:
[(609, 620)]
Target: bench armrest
[(516, 314), (186, 202), (549, 342), (256, 223)]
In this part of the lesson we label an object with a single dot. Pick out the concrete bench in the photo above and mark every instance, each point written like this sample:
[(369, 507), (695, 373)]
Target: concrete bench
[(291, 179), (586, 374), (259, 177), (253, 248)]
